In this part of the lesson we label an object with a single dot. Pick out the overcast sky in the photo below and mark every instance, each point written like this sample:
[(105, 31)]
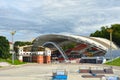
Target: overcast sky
[(31, 18)]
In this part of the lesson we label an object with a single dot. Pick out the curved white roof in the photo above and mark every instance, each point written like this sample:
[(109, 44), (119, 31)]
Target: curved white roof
[(106, 41), (99, 42), (96, 41)]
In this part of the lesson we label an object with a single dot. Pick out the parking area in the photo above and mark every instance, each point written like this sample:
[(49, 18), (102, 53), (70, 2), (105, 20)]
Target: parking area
[(44, 71)]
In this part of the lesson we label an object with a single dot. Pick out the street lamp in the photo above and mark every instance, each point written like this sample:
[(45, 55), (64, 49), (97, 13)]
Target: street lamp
[(13, 33), (110, 31)]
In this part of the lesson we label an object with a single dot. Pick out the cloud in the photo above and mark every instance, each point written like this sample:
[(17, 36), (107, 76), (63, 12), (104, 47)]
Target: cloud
[(37, 17)]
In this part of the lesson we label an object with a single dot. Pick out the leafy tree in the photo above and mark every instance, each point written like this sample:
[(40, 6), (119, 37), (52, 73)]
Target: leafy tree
[(69, 46), (116, 33), (20, 43), (102, 33), (105, 34), (4, 47)]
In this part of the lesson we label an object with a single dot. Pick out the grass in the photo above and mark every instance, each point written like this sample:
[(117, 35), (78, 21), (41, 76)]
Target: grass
[(2, 60), (16, 62), (115, 62)]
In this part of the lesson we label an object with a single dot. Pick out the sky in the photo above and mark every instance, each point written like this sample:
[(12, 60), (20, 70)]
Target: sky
[(32, 18)]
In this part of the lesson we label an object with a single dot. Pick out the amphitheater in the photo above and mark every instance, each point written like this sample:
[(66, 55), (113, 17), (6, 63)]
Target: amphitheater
[(84, 45), (75, 71)]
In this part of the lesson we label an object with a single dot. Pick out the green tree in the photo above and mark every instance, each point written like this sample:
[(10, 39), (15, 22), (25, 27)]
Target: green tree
[(69, 46), (105, 34), (20, 43), (116, 33), (4, 48)]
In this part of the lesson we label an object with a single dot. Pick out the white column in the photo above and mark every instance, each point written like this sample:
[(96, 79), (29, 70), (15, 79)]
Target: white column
[(21, 58)]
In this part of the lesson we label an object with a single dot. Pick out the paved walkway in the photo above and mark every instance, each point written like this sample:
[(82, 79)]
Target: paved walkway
[(2, 64), (44, 71)]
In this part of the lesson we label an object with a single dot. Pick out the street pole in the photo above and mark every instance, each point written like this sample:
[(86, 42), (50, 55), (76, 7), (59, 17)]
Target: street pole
[(110, 31), (111, 44), (13, 33)]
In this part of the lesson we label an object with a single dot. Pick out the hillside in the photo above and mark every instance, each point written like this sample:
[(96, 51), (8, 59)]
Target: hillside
[(115, 62)]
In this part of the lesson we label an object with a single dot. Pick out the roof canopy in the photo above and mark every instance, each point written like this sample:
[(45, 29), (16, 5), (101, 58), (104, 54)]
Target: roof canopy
[(61, 39)]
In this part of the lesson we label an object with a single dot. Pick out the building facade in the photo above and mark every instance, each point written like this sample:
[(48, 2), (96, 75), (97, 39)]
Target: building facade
[(31, 53)]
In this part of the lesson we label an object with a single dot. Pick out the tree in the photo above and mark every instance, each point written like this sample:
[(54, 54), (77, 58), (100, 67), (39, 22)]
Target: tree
[(105, 34), (4, 48), (116, 33), (20, 43), (69, 46)]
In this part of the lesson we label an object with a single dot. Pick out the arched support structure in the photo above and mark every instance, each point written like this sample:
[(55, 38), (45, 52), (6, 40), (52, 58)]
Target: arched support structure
[(100, 44), (59, 48)]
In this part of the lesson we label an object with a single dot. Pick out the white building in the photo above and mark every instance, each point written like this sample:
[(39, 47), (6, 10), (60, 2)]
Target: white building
[(27, 52)]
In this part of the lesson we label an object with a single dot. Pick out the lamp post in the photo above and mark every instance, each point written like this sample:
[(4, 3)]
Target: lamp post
[(13, 33), (110, 31)]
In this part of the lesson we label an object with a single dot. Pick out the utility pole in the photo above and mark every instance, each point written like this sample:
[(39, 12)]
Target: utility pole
[(13, 33), (110, 31)]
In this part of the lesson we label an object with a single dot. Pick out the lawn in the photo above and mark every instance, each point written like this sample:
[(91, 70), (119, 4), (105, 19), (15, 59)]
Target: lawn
[(16, 62), (115, 62)]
